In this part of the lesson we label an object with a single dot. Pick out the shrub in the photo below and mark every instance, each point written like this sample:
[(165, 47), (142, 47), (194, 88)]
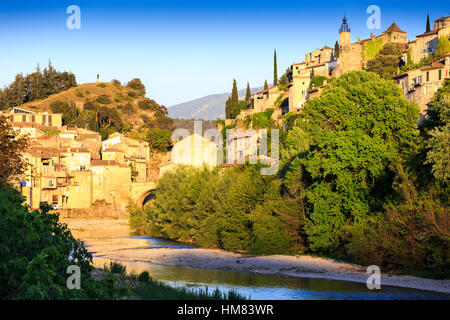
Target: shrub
[(115, 267), (36, 251), (144, 277), (103, 99), (137, 85)]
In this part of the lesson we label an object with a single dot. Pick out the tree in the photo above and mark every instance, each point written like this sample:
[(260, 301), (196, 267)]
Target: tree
[(248, 94), (228, 108), (387, 61), (12, 164), (266, 86), (439, 145), (234, 94), (285, 77), (336, 49), (36, 252), (159, 139), (241, 105), (355, 134), (275, 72), (428, 27), (137, 85)]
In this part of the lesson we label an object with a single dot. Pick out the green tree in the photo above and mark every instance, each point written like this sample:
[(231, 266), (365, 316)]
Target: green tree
[(336, 49), (234, 95), (248, 93), (12, 145), (387, 61), (266, 86), (137, 85), (228, 108), (275, 71), (355, 134), (241, 105), (428, 27), (36, 253), (159, 139)]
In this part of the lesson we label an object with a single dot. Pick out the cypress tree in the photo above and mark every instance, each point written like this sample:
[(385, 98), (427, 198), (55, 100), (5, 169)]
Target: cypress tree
[(265, 85), (336, 49), (428, 24), (275, 71), (248, 94), (234, 95), (228, 108)]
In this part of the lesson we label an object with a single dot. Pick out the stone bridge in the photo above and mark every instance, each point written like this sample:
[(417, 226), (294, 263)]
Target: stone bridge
[(141, 192)]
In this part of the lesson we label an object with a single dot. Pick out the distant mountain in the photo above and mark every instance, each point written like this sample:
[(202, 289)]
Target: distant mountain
[(208, 108)]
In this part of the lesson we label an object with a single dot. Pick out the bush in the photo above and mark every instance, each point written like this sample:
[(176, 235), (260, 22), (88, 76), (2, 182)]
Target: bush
[(149, 104), (116, 82), (103, 99), (137, 85), (144, 277), (128, 109), (35, 252), (115, 267), (262, 120)]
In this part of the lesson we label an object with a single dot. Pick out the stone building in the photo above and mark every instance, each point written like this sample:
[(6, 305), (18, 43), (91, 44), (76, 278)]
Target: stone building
[(419, 85), (426, 43), (20, 115), (354, 56)]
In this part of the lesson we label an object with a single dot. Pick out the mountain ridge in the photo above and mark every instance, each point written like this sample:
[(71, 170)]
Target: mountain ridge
[(208, 107)]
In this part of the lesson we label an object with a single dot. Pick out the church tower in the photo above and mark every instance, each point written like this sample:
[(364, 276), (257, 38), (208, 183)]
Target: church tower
[(344, 33)]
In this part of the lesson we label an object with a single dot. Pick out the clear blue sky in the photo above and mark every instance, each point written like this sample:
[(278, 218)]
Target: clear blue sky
[(186, 49)]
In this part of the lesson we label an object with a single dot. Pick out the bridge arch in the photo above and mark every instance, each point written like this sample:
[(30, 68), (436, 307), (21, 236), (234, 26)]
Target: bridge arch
[(141, 192), (145, 197)]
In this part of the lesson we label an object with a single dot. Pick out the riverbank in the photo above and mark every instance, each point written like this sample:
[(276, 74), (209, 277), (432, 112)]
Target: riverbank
[(103, 238)]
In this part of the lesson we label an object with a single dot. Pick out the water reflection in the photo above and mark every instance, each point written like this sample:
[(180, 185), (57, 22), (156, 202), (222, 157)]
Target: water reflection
[(271, 287)]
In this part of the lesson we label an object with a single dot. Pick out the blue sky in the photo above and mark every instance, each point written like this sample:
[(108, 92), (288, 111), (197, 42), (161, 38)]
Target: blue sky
[(186, 49)]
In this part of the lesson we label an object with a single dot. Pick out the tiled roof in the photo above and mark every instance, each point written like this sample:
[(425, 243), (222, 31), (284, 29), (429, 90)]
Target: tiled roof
[(104, 163), (427, 33), (441, 19), (436, 65), (394, 28)]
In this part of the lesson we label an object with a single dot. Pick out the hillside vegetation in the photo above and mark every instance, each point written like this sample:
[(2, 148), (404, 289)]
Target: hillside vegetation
[(105, 107)]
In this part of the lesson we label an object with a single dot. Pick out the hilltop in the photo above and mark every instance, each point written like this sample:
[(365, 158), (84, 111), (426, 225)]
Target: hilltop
[(134, 108)]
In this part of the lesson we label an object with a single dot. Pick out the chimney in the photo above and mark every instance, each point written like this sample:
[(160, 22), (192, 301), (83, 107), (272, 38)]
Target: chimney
[(357, 39), (372, 36)]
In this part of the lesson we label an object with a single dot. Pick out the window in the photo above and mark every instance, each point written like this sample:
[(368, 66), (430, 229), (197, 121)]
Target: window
[(440, 74), (24, 118), (33, 118), (428, 76)]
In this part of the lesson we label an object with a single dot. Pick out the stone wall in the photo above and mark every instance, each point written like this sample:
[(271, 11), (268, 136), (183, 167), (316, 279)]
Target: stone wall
[(100, 209)]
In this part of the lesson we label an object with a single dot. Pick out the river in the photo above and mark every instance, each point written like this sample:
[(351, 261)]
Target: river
[(261, 286)]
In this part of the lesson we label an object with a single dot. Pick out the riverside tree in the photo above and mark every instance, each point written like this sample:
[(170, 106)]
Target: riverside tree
[(357, 128)]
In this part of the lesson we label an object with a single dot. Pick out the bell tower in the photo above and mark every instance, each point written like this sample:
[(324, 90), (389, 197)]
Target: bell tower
[(344, 33)]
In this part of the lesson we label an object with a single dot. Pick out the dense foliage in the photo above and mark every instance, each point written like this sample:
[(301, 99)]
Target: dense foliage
[(36, 251), (12, 164), (37, 85), (387, 61), (358, 180)]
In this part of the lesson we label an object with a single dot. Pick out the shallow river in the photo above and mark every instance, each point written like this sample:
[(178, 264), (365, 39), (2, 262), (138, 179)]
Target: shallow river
[(262, 286)]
